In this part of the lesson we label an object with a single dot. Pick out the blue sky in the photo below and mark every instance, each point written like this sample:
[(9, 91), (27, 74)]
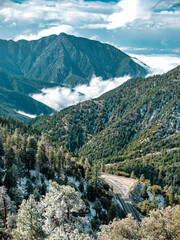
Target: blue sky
[(139, 27)]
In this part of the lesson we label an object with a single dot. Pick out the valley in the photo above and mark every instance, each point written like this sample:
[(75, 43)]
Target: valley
[(64, 62), (99, 165), (122, 188)]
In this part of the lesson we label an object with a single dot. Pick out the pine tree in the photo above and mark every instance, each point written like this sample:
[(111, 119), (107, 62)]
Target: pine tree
[(162, 224), (62, 204), (29, 221), (31, 143), (42, 159), (95, 174), (87, 174), (171, 197), (144, 193), (103, 167), (10, 158), (52, 159), (142, 178), (6, 206), (1, 148), (11, 177), (132, 175)]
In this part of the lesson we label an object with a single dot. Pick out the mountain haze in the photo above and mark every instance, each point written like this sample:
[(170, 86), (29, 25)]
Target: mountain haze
[(66, 59)]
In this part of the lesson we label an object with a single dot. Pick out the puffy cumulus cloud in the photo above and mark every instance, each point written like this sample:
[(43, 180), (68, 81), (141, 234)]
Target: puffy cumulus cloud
[(159, 63), (61, 97), (145, 14), (128, 11), (86, 17), (46, 32)]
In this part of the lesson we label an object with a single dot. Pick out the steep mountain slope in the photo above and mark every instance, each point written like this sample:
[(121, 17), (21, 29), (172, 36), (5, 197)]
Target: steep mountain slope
[(66, 59), (143, 112), (134, 129), (14, 96)]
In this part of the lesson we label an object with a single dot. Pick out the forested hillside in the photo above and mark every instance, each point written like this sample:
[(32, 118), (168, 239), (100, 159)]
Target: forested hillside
[(28, 161), (15, 96), (48, 193), (136, 124)]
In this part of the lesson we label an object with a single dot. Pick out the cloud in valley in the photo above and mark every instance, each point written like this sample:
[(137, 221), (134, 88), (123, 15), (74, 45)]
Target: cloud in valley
[(61, 97), (159, 63), (26, 114)]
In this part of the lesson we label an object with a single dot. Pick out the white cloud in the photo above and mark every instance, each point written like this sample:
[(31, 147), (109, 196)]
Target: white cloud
[(67, 11), (58, 97), (97, 86), (46, 32), (159, 63), (26, 114), (61, 97), (127, 11)]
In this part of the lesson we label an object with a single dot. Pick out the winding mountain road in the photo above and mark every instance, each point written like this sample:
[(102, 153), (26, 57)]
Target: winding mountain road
[(122, 187)]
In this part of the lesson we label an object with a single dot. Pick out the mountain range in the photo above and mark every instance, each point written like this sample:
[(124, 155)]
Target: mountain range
[(26, 67), (66, 59)]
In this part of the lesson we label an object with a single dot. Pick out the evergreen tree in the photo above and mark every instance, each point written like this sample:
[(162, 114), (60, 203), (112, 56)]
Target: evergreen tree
[(10, 158), (111, 213), (6, 206), (162, 224), (31, 143), (1, 148), (95, 174), (171, 197), (62, 204), (11, 177), (103, 167), (87, 174), (30, 159), (29, 221), (144, 193), (59, 163), (42, 159), (142, 178), (132, 175), (52, 159), (120, 230)]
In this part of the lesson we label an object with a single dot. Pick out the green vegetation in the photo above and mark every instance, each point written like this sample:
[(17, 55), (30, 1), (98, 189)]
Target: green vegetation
[(134, 127), (28, 160), (161, 224), (14, 96)]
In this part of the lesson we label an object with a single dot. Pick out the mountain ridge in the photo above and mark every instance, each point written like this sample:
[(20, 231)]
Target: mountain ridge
[(66, 59)]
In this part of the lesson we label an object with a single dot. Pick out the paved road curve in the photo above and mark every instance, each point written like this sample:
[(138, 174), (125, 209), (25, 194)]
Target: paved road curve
[(122, 191)]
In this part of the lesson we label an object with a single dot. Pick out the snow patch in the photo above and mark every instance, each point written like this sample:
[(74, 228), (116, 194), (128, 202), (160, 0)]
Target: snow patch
[(152, 115), (150, 195), (160, 200)]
